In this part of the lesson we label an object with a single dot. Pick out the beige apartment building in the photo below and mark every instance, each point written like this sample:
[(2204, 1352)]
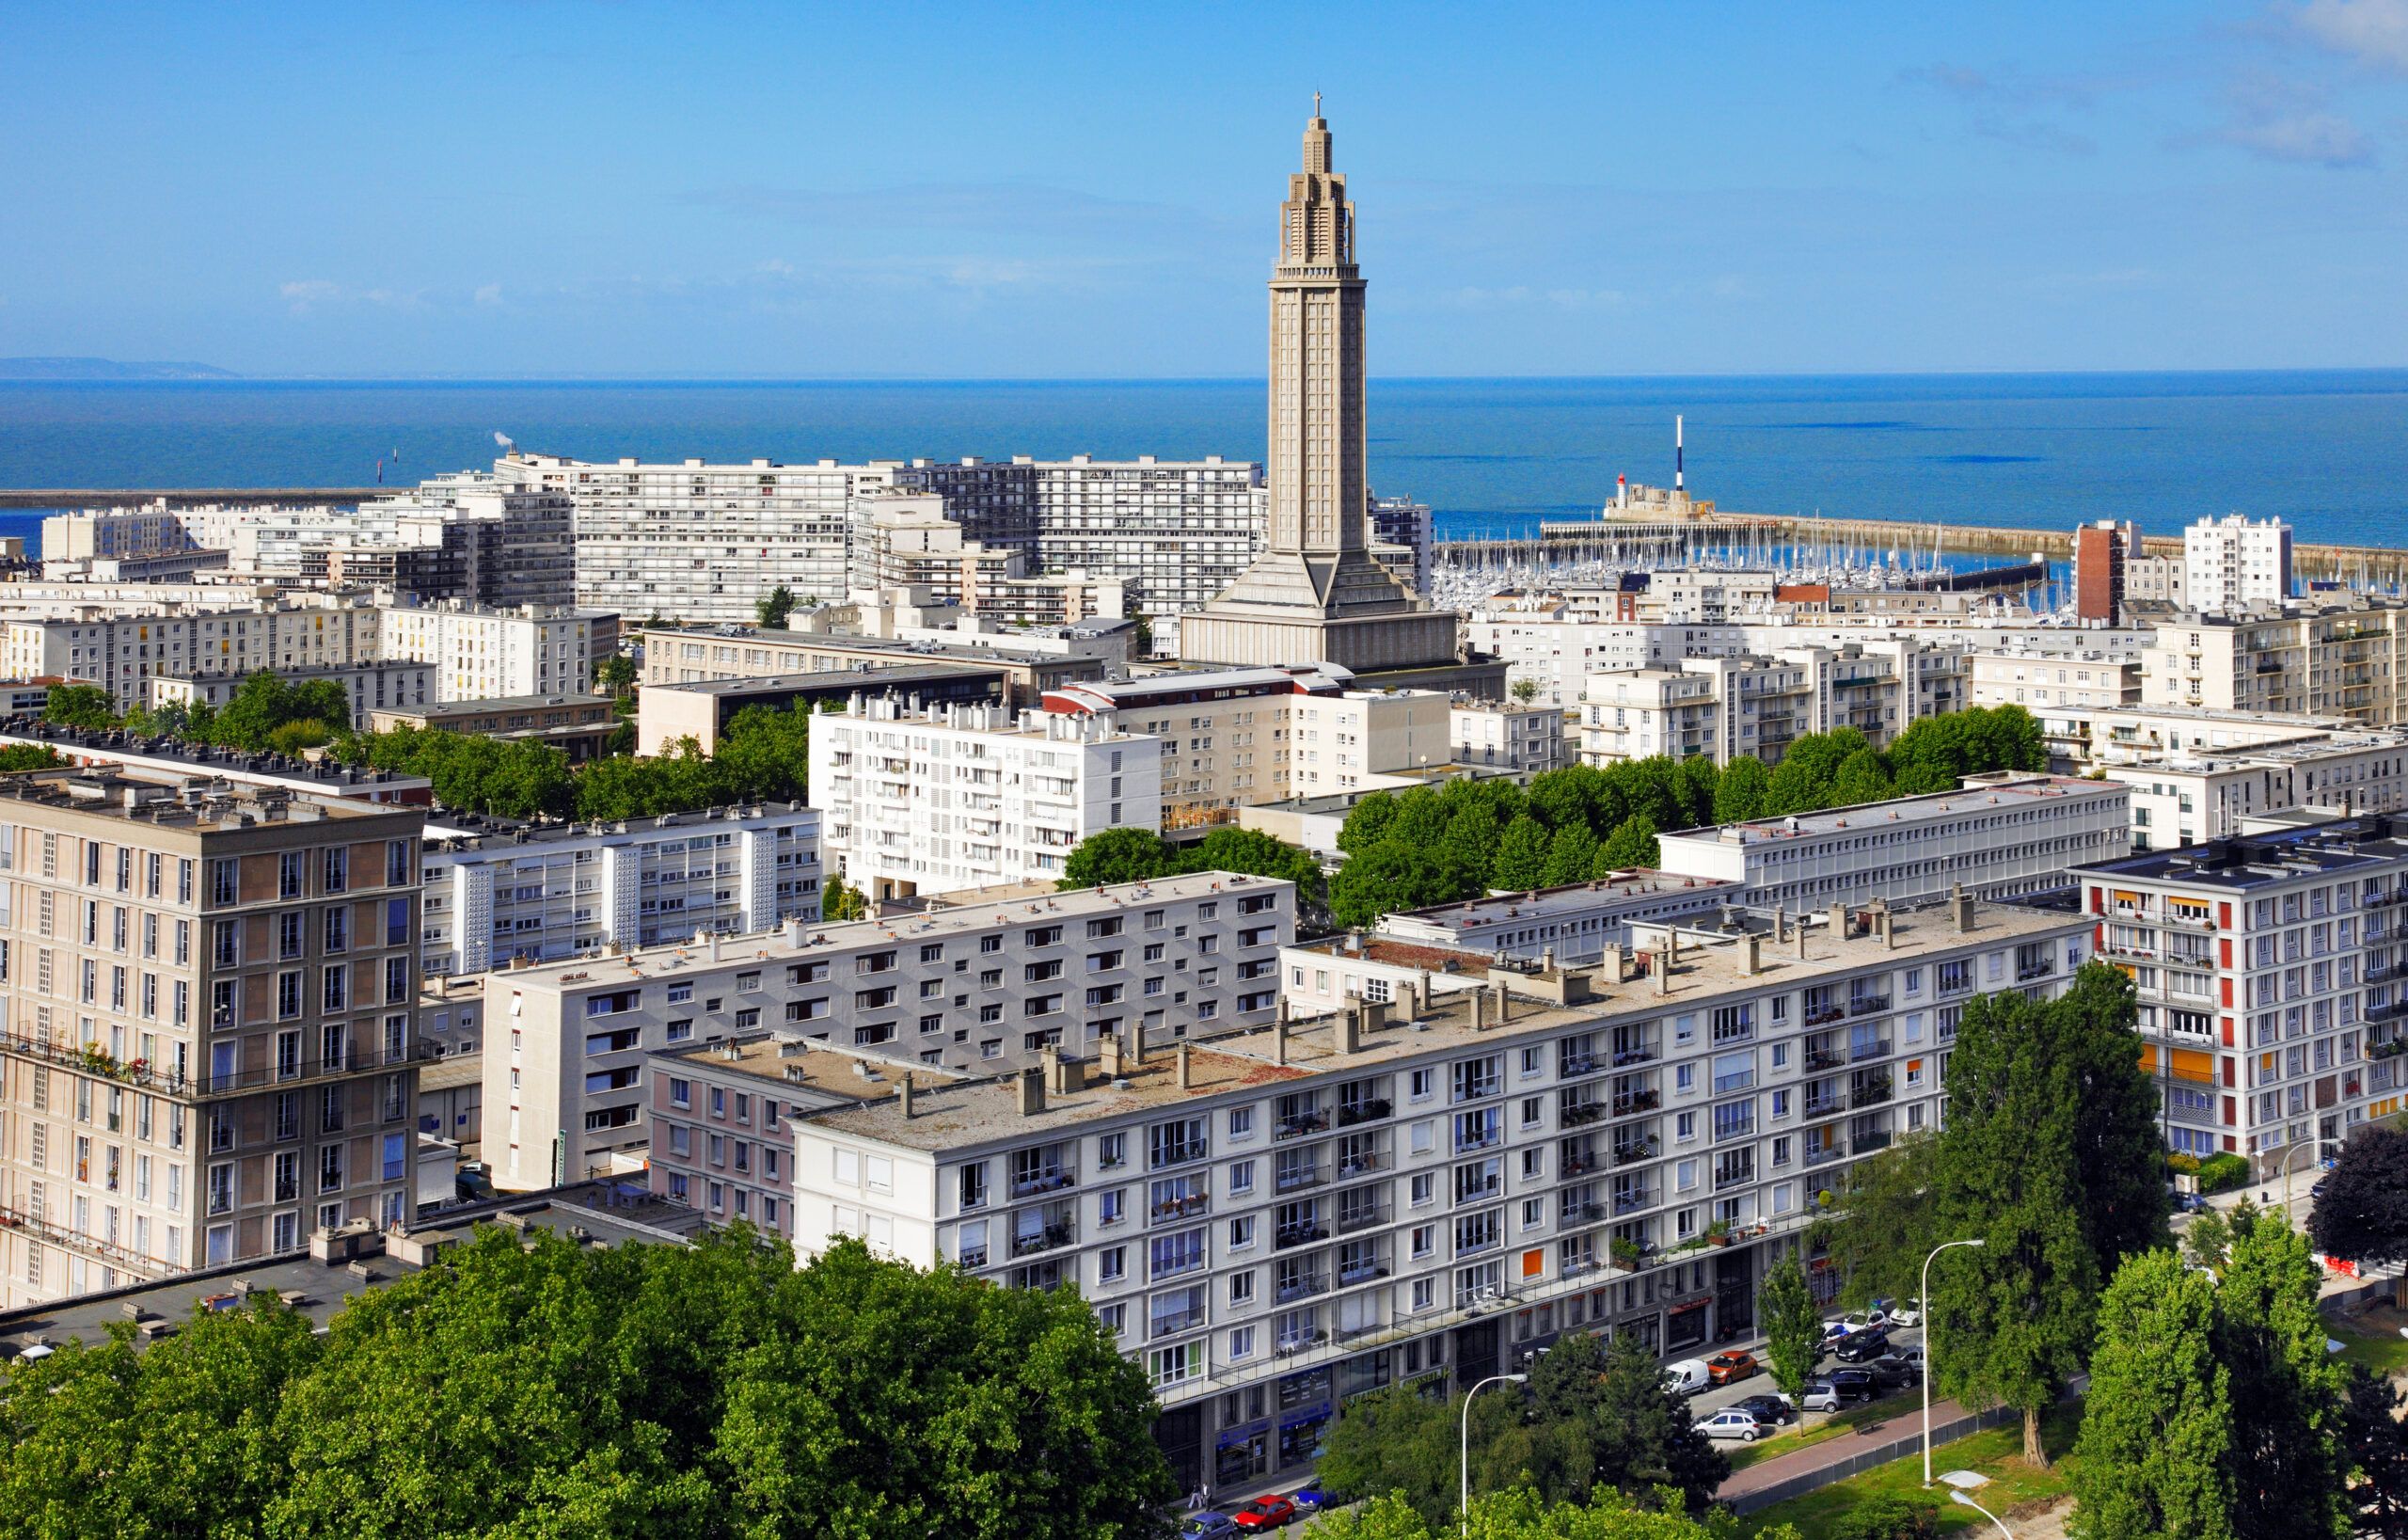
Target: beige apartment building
[(206, 1054), (1755, 704), (2345, 661)]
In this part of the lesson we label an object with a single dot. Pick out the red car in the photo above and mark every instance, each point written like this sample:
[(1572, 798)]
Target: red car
[(1265, 1513)]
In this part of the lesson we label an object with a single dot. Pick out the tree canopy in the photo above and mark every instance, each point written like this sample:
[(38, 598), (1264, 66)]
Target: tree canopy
[(79, 705), (1140, 855), (2157, 1426), (529, 1387), (1521, 1513), (2363, 1212), (1582, 823)]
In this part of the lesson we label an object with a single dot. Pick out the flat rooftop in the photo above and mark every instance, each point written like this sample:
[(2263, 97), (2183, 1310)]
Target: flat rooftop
[(440, 710), (2316, 847), (969, 652), (1976, 794), (110, 791), (2282, 751), (326, 776), (800, 1068), (1637, 885), (609, 1214), (2300, 720), (969, 913), (974, 1113), (449, 830), (837, 681)]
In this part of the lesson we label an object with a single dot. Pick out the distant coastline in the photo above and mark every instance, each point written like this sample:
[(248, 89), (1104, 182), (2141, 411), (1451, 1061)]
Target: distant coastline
[(106, 369)]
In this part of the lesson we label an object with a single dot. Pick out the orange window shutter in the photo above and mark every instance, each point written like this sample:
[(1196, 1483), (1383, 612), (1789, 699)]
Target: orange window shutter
[(1534, 1264)]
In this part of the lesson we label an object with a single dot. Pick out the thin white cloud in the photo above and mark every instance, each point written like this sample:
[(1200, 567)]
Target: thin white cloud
[(2315, 138), (489, 293), (2373, 32)]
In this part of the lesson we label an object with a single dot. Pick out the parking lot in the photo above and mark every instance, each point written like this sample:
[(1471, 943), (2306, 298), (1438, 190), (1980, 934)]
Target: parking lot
[(1715, 1398)]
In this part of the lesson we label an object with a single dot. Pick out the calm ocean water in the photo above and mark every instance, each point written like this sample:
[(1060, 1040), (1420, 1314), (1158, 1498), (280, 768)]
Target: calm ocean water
[(2327, 450)]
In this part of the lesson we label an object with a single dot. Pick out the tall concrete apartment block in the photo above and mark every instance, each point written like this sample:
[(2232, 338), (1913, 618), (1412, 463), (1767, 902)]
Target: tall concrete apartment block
[(1428, 1192), (123, 653), (2341, 661), (704, 542), (498, 890), (2101, 550), (2269, 972), (989, 982), (2234, 563), (207, 1053), (482, 654), (971, 796)]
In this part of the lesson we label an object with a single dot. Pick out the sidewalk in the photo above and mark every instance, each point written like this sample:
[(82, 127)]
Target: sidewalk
[(1768, 1482)]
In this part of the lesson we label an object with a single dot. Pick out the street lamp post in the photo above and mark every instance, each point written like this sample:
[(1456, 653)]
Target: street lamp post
[(1464, 1507), (1958, 1494), (2313, 1147), (1928, 1321)]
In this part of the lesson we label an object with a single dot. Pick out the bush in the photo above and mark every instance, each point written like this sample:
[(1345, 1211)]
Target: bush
[(2178, 1161), (2220, 1173), (1890, 1519)]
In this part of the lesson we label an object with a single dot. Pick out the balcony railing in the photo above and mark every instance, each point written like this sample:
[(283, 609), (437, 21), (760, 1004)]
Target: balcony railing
[(1817, 1015), (1044, 1240), (1866, 1005), (1644, 1054), (108, 1252), (1181, 1207), (2030, 970), (1825, 1105), (1351, 1112), (1296, 1128), (1576, 1114), (1302, 1286), (1296, 1235), (139, 1074), (1052, 1179), (1630, 1202), (1825, 1154), (1872, 1048), (1823, 1058), (1367, 1164), (1298, 1179), (1361, 1272), (1351, 1220), (1631, 1155), (1636, 1103)]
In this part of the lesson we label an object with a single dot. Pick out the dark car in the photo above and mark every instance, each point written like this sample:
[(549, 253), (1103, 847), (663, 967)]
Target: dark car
[(1208, 1525), (1767, 1408), (1858, 1346), (1269, 1511), (1896, 1374), (1854, 1384), (1310, 1497)]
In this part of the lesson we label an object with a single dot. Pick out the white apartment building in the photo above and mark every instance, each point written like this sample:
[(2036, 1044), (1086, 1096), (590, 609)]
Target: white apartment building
[(1751, 705), (480, 654), (2132, 731), (122, 654), (498, 890), (2270, 982), (993, 981), (1271, 1221), (375, 686), (971, 796), (1519, 740), (907, 541), (2185, 795), (2234, 563), (1571, 925), (2064, 692), (2000, 835), (2345, 661), (124, 544)]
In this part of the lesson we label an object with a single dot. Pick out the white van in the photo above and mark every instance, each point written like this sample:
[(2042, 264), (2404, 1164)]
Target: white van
[(1687, 1377)]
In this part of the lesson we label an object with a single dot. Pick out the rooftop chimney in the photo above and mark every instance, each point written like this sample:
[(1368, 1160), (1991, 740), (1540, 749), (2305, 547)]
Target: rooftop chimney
[(903, 1092), (1186, 1066), (1616, 964), (1062, 1076), (1349, 1030), (1028, 1093), (1960, 908), (1480, 1009), (1755, 955)]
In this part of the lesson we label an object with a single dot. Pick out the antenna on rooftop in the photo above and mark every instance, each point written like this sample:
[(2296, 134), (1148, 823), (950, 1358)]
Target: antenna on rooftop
[(1678, 481)]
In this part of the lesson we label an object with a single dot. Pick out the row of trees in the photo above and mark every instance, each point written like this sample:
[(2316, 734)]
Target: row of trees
[(532, 1387), (264, 713), (1437, 845), (764, 754), (1140, 855), (1596, 1423)]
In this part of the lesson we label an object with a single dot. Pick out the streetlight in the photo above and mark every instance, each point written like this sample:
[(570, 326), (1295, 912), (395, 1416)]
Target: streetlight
[(1958, 1494), (2314, 1147), (1928, 1320), (1464, 1507)]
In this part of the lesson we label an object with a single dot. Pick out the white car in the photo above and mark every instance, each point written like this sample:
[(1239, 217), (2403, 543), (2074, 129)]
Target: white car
[(1906, 1312), (1732, 1424)]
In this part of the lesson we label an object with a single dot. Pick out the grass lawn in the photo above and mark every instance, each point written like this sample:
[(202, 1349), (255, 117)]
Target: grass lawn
[(1996, 1453), (1798, 1435), (2373, 1339)]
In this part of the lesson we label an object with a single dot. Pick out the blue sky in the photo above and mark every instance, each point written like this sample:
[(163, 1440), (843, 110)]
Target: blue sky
[(959, 191)]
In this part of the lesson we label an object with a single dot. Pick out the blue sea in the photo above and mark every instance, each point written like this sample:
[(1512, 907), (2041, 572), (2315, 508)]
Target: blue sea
[(2327, 450)]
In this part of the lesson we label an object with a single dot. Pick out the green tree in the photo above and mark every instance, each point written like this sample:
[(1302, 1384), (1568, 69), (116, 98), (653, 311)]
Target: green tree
[(79, 705), (1521, 1513), (1860, 779), (771, 609), (1526, 690), (1117, 855), (1521, 855), (1393, 875), (28, 756), (1740, 795), (1632, 845), (1698, 782), (2158, 1421), (2377, 1441), (1571, 855), (2289, 1468), (1398, 1441), (1885, 1223), (615, 674), (1470, 841), (1646, 1437), (1793, 1325), (1258, 854), (840, 902), (1367, 823), (2363, 1212)]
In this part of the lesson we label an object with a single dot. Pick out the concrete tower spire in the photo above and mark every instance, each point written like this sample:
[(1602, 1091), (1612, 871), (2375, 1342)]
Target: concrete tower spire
[(1315, 594)]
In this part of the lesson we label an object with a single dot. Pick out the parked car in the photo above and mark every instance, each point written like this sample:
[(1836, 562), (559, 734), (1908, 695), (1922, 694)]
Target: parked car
[(1905, 1312), (1310, 1497), (1687, 1377), (1731, 1422), (1208, 1525), (1769, 1409), (1894, 1372), (1730, 1367), (1269, 1512), (1833, 1329), (1854, 1384), (2190, 1202), (1858, 1346), (1821, 1396)]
